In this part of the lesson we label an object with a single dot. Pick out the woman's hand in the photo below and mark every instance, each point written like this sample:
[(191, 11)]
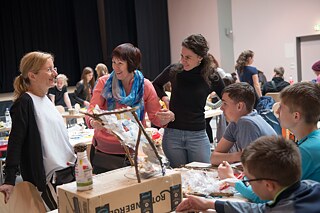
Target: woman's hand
[(166, 101), (86, 103), (95, 124), (165, 116), (7, 190)]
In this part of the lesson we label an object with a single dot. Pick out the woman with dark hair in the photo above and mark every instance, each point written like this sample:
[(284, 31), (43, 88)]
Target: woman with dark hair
[(84, 87), (193, 79), (248, 73), (126, 86)]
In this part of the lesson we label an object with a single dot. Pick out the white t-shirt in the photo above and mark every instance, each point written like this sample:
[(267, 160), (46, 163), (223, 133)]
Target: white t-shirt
[(56, 149)]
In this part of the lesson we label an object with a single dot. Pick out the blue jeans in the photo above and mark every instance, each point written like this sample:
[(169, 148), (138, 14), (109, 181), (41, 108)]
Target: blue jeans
[(182, 146)]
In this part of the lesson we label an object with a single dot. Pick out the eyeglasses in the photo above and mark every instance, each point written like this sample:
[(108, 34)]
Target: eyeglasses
[(52, 69), (246, 182)]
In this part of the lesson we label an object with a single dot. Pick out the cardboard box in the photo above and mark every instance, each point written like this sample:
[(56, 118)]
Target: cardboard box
[(119, 191)]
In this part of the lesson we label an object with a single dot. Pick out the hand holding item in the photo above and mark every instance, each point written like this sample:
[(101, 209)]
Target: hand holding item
[(165, 116), (166, 101), (96, 124), (86, 104), (7, 190), (225, 170)]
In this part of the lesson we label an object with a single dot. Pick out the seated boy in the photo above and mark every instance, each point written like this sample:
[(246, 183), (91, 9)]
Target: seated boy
[(272, 166), (299, 112), (245, 125)]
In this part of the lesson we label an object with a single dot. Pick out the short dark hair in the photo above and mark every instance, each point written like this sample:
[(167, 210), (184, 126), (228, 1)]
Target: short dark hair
[(241, 92), (129, 53), (303, 97), (273, 157)]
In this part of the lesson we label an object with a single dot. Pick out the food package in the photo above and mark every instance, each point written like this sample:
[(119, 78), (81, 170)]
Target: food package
[(125, 127)]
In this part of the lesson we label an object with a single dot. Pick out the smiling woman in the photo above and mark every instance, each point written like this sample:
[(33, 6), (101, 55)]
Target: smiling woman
[(126, 86), (41, 153), (192, 80)]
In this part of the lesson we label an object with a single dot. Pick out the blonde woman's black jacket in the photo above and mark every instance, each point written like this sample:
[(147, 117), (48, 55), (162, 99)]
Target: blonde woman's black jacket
[(24, 146)]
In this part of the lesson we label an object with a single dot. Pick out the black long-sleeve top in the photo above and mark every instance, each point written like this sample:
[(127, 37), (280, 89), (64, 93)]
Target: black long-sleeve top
[(188, 96), (80, 94)]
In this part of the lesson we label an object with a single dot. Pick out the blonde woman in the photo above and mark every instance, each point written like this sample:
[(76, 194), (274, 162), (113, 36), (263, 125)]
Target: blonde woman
[(38, 144), (101, 70), (59, 94)]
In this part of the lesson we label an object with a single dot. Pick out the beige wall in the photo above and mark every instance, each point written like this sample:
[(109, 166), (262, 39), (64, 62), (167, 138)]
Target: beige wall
[(188, 17), (269, 28)]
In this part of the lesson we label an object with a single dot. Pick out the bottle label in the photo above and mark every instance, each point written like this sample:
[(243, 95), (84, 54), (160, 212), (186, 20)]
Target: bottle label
[(83, 172)]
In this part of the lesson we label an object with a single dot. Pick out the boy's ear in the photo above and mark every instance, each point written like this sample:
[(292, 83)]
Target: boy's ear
[(270, 185), (297, 115), (240, 105)]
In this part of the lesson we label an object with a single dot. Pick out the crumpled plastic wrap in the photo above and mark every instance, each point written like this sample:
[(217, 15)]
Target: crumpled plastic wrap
[(124, 126), (204, 183)]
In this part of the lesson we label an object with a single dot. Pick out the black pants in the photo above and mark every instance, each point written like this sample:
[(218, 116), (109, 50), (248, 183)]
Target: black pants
[(209, 130), (103, 162), (49, 196)]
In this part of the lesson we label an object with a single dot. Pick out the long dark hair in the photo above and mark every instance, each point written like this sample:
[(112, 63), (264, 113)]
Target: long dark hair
[(86, 84), (243, 60), (199, 45)]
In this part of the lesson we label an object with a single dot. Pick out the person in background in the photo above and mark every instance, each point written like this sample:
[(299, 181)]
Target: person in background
[(84, 87), (38, 143), (272, 166), (277, 83), (214, 101), (101, 70), (262, 78), (126, 86), (59, 94), (301, 119), (248, 73), (234, 75), (245, 125), (316, 70), (192, 80)]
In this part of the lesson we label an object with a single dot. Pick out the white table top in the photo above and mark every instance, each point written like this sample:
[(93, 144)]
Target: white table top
[(212, 113)]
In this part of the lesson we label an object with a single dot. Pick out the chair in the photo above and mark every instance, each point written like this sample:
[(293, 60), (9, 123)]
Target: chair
[(24, 198), (274, 95)]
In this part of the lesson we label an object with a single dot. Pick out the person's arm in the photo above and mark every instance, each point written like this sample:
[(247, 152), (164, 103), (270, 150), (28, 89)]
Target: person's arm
[(160, 81), (97, 99), (235, 207), (51, 94), (152, 106), (52, 98), (256, 84), (77, 93), (217, 85), (20, 115), (195, 203), (220, 153), (247, 192), (67, 100)]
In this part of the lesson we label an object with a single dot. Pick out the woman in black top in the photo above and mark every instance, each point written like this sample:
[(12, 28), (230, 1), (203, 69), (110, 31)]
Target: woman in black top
[(59, 94), (84, 87), (193, 79)]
